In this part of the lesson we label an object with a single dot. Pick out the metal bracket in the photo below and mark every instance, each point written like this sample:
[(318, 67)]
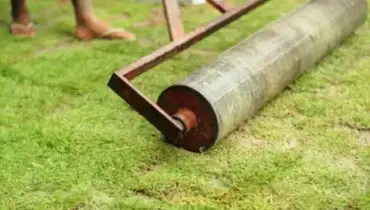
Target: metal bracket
[(171, 10)]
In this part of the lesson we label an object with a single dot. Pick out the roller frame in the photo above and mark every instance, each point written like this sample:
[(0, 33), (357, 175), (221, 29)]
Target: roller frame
[(120, 81)]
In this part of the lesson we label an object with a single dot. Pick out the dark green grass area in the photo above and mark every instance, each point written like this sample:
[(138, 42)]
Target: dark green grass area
[(67, 141)]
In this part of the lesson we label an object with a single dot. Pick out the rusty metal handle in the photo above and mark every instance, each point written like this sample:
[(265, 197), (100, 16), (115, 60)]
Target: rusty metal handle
[(168, 51), (220, 5), (120, 80)]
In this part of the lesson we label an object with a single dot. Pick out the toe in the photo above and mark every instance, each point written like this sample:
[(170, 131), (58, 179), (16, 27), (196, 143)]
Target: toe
[(119, 34), (124, 35), (22, 30)]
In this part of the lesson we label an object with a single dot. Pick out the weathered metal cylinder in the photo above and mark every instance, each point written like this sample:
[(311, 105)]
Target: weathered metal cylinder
[(241, 80)]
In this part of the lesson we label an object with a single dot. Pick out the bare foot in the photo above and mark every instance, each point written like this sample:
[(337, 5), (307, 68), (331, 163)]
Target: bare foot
[(90, 27), (22, 24), (22, 30)]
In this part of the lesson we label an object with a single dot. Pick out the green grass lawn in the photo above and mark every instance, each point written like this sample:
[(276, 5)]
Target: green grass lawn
[(67, 141)]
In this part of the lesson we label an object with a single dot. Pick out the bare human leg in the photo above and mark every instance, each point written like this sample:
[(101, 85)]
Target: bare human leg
[(90, 27), (22, 25)]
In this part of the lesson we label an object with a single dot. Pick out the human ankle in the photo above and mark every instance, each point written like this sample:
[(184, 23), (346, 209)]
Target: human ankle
[(23, 19), (85, 18)]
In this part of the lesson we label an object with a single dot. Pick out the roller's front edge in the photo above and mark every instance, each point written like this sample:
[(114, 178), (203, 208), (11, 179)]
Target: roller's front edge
[(213, 101)]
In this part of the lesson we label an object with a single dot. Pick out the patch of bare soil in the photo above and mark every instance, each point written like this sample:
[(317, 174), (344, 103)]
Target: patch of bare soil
[(364, 138)]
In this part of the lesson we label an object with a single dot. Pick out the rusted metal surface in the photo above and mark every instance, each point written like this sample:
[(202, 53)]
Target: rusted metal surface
[(245, 77), (168, 51), (220, 5), (187, 118), (205, 133), (173, 18), (151, 111)]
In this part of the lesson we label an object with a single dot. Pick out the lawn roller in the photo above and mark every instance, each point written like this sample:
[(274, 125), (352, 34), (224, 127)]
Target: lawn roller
[(196, 112)]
